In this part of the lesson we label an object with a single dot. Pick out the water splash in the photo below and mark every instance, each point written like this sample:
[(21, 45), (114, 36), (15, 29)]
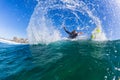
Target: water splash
[(41, 28)]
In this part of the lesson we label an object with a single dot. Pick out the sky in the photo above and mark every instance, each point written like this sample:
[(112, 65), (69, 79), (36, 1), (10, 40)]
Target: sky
[(14, 17)]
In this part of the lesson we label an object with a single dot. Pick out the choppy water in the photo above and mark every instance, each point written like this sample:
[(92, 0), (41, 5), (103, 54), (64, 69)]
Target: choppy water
[(62, 60)]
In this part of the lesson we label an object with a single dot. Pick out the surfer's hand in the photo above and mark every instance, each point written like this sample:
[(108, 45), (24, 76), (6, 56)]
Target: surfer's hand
[(80, 33)]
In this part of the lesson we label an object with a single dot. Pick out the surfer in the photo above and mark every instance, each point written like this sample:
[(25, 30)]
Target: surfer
[(72, 34)]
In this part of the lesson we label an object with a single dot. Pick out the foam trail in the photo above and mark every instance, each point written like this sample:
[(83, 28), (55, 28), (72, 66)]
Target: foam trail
[(41, 28)]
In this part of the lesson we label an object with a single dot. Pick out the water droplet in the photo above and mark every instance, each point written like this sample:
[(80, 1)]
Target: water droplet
[(115, 51)]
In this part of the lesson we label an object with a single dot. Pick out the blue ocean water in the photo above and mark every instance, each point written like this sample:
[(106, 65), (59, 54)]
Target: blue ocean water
[(61, 60)]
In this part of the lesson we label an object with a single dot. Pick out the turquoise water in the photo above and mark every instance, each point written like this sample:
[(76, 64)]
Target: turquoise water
[(61, 60)]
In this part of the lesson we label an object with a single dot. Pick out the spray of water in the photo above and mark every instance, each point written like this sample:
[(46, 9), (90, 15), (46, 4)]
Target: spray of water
[(41, 28)]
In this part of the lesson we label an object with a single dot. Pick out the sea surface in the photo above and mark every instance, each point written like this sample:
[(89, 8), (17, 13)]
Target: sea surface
[(61, 60)]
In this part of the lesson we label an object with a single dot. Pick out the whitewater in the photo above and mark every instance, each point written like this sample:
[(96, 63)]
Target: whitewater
[(41, 28)]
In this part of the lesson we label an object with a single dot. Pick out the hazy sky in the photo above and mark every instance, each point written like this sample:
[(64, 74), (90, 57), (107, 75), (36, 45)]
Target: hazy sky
[(14, 17)]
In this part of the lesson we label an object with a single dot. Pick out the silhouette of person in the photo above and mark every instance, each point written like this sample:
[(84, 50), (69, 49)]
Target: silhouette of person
[(72, 34)]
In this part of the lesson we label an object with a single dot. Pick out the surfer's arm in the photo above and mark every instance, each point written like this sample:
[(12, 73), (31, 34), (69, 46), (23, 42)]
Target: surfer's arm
[(80, 33), (66, 30)]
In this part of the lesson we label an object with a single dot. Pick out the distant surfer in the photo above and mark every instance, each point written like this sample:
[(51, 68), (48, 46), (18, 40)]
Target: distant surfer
[(72, 34)]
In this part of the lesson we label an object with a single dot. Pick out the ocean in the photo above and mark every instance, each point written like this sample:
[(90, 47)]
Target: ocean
[(61, 60)]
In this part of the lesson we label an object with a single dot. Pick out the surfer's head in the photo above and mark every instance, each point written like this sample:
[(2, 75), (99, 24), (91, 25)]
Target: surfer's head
[(74, 31)]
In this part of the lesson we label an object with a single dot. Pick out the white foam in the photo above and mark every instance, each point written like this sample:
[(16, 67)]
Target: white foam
[(117, 68), (8, 41), (42, 32), (41, 29)]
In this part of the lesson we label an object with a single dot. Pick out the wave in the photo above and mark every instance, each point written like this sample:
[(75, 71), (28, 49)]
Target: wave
[(66, 59), (46, 22)]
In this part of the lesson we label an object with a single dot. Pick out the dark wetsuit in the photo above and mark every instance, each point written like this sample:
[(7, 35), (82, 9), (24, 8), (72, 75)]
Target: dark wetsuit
[(72, 34)]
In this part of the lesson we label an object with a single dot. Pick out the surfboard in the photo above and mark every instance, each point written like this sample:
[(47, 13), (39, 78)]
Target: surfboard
[(98, 34)]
